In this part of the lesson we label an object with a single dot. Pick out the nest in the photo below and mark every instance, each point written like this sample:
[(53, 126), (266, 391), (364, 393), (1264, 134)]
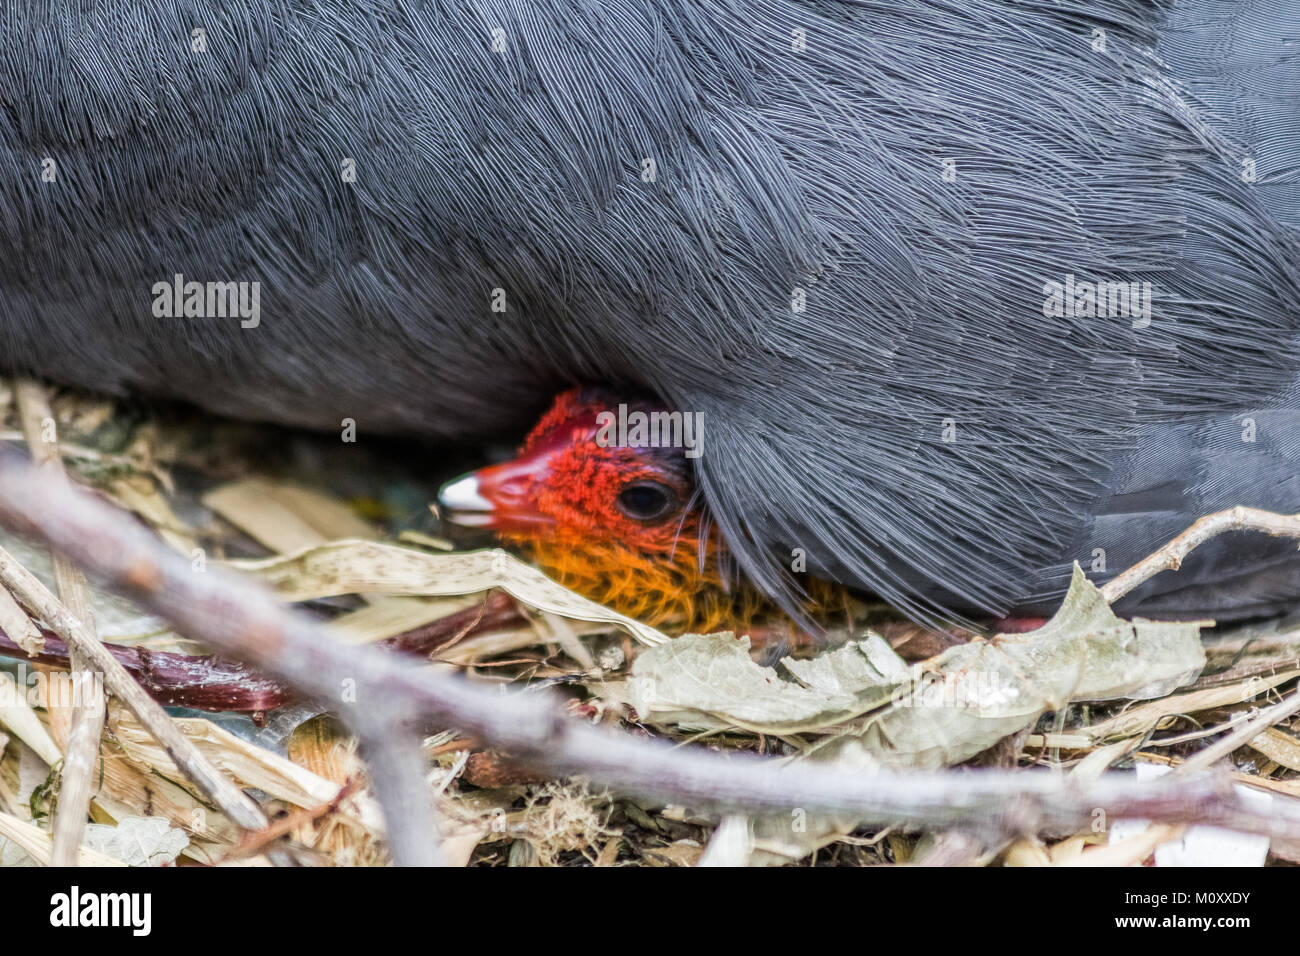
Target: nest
[(343, 531)]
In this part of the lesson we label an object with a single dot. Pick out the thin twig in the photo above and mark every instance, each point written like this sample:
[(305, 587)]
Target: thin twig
[(208, 682), (391, 749), (255, 843), (201, 681), (18, 629), (211, 782), (1250, 729), (85, 724), (242, 618), (1170, 557)]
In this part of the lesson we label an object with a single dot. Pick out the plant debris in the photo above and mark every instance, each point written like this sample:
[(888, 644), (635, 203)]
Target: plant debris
[(1087, 693)]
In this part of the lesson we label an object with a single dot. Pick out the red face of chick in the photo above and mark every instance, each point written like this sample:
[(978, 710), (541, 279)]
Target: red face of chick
[(616, 524), (565, 482)]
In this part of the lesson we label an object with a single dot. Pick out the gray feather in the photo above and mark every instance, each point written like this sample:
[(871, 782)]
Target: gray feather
[(776, 170)]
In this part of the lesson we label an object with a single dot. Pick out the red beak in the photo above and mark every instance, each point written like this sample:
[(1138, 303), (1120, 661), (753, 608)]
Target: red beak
[(500, 497)]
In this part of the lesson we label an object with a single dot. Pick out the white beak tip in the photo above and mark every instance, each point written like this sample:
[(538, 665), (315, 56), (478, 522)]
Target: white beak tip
[(460, 499)]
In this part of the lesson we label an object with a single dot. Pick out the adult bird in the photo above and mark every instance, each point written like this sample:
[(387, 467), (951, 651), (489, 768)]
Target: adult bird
[(962, 290)]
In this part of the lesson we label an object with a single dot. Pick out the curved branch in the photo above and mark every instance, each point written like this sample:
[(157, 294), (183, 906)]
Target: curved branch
[(367, 686)]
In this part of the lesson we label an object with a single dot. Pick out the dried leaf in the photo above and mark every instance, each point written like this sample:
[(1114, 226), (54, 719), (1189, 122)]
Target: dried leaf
[(358, 567), (285, 518), (137, 841), (1278, 746), (18, 717), (709, 681), (938, 713), (250, 765), (19, 839), (972, 696)]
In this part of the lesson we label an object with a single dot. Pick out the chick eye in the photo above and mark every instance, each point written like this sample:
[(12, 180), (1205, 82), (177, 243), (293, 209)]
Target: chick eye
[(646, 500)]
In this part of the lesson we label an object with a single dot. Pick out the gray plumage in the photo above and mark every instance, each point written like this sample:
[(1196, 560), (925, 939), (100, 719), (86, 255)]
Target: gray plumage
[(921, 428)]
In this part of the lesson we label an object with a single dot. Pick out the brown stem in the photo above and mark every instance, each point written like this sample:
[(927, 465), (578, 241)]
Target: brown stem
[(497, 611), (209, 682), (33, 595), (204, 682), (1170, 556)]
